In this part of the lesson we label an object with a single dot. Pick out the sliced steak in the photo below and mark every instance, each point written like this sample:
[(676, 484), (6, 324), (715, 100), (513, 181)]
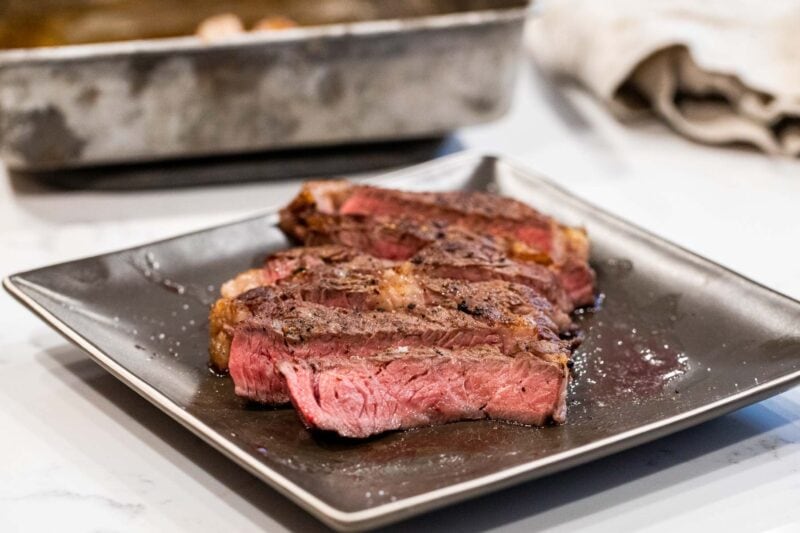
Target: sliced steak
[(450, 252), (396, 224), (290, 262), (404, 287), (464, 255), (345, 277), (276, 329), (481, 212), (398, 389), (388, 239), (484, 213), (407, 309), (530, 234)]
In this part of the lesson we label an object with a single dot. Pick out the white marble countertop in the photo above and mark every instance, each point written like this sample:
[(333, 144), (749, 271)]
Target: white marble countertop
[(83, 453)]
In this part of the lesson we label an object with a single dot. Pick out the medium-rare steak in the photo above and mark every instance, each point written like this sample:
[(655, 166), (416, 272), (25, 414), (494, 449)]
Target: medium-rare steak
[(288, 263), (412, 387), (277, 329), (350, 285), (407, 309), (388, 239), (450, 252), (395, 225), (484, 213), (345, 277), (464, 255)]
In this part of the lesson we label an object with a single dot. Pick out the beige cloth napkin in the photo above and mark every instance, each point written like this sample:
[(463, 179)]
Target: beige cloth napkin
[(717, 71)]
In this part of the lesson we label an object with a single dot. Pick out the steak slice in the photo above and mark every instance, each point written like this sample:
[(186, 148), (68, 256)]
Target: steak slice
[(289, 263), (464, 255), (530, 232), (400, 389), (388, 239), (349, 285), (484, 213), (481, 212), (449, 252), (407, 309), (397, 224), (345, 277), (270, 329)]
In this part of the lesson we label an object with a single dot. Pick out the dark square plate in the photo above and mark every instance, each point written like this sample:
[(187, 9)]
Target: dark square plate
[(676, 341)]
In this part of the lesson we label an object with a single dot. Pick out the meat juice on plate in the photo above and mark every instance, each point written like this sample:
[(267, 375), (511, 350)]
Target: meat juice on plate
[(628, 353)]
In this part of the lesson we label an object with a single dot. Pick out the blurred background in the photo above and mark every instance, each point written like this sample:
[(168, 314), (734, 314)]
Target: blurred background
[(174, 114)]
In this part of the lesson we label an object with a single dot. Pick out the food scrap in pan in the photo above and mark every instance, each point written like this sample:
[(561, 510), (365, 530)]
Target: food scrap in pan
[(226, 25)]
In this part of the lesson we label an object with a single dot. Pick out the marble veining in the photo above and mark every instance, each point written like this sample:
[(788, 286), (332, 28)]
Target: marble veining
[(131, 509)]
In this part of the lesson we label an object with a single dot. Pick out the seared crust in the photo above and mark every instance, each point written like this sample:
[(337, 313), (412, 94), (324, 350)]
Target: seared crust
[(393, 287), (399, 289), (224, 315), (396, 225)]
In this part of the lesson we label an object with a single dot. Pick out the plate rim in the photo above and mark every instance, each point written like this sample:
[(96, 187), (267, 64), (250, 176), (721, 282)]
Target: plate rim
[(404, 508)]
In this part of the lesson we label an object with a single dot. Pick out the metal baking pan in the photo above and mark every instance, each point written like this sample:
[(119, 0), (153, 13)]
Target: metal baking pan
[(400, 71), (677, 341)]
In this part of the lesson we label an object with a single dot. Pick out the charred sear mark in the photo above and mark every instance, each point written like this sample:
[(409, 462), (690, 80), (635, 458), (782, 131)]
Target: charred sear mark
[(474, 311)]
